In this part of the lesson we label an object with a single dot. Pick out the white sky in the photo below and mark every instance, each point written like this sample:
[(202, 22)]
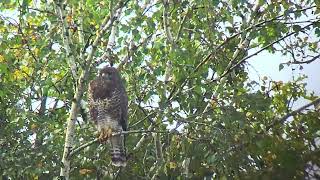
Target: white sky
[(267, 64)]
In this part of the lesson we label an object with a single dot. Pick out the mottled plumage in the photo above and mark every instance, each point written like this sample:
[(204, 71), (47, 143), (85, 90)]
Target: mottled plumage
[(108, 105)]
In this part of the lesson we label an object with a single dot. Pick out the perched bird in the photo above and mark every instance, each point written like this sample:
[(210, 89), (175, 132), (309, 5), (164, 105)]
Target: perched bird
[(108, 107)]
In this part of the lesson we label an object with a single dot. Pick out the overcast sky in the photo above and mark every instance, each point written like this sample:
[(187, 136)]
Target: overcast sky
[(267, 64)]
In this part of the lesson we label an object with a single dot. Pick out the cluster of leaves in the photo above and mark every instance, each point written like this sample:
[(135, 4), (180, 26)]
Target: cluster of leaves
[(183, 63)]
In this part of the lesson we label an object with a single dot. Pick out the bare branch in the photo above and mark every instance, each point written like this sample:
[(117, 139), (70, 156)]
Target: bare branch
[(181, 24), (304, 62), (143, 138), (245, 39), (42, 11), (80, 32)]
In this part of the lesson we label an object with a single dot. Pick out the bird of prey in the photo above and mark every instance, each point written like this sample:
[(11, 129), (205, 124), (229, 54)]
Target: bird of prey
[(108, 107)]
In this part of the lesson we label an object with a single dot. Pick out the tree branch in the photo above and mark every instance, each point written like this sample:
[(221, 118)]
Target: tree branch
[(263, 48), (131, 51), (166, 22), (304, 62), (245, 38), (71, 59), (81, 147), (143, 138), (80, 32), (208, 57), (181, 24), (293, 113)]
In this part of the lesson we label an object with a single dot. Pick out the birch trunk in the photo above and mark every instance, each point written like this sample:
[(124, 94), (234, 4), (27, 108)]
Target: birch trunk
[(70, 131)]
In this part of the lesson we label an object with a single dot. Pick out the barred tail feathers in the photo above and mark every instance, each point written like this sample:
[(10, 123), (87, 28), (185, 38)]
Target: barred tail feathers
[(117, 151)]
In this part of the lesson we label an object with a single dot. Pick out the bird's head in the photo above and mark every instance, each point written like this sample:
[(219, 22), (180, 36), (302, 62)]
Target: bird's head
[(109, 75)]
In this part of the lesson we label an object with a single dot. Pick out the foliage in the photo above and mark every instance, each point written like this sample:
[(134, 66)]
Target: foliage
[(184, 66)]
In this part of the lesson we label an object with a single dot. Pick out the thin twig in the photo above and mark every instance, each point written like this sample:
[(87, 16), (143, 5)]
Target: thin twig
[(263, 48), (42, 11), (304, 62), (132, 50), (208, 57)]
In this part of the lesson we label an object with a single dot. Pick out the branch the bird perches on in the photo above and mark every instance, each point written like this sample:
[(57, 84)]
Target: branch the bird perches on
[(78, 149)]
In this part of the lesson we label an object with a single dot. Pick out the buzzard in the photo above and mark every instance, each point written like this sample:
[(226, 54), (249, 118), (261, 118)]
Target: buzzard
[(108, 107)]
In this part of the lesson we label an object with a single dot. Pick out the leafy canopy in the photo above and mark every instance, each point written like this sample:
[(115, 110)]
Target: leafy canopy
[(184, 65)]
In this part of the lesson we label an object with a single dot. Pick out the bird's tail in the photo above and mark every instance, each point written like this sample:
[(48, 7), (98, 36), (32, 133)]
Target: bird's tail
[(117, 151)]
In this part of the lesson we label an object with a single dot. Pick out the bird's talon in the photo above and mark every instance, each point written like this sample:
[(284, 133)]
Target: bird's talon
[(102, 135), (109, 132)]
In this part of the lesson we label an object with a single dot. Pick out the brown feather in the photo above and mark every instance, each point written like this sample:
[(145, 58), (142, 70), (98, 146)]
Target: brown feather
[(108, 105)]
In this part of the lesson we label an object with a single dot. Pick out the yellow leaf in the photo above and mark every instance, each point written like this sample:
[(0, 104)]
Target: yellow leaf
[(17, 53), (26, 70), (21, 73), (34, 127), (85, 171), (248, 114), (34, 37), (17, 74), (36, 51), (172, 165), (69, 19), (213, 103), (1, 58)]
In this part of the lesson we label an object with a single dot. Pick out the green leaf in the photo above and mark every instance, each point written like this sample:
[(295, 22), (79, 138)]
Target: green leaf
[(317, 32), (281, 66), (296, 28)]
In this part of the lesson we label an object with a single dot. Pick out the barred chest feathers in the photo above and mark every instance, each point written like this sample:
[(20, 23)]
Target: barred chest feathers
[(109, 112)]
